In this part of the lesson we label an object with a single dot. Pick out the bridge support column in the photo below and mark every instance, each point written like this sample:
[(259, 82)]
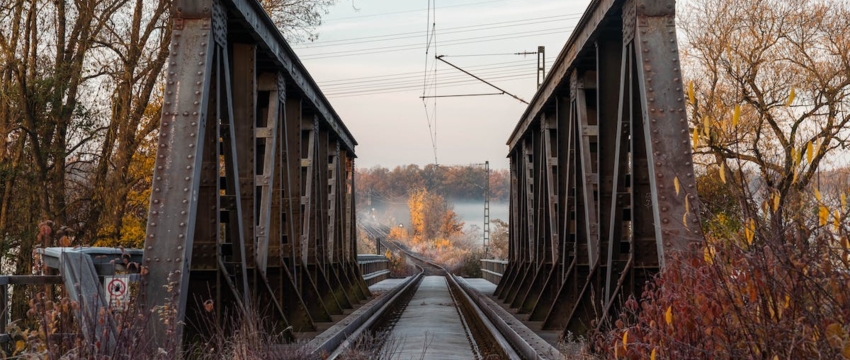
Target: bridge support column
[(622, 192)]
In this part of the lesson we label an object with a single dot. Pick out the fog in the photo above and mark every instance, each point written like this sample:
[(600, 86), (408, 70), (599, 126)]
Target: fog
[(470, 212)]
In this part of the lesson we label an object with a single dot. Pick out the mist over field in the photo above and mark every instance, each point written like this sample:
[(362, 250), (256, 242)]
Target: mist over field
[(470, 212)]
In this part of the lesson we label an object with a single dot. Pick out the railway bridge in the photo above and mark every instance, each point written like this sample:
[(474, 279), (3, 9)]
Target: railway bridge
[(252, 205)]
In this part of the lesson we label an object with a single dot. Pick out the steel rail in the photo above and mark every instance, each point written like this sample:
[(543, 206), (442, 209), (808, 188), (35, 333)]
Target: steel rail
[(494, 331), (349, 332)]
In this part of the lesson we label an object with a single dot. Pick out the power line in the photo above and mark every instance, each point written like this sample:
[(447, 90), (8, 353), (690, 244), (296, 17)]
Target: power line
[(431, 37), (410, 11), (482, 80), (429, 92), (495, 70), (415, 34), (454, 42), (444, 85), (489, 36), (365, 85), (461, 95), (418, 73)]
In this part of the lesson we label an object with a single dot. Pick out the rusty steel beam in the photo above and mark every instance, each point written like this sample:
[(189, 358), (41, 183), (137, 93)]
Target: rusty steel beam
[(252, 206), (602, 187)]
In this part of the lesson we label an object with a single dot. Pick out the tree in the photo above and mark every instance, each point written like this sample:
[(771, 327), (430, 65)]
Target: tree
[(769, 97), (431, 217), (768, 101), (499, 239), (80, 96), (297, 19)]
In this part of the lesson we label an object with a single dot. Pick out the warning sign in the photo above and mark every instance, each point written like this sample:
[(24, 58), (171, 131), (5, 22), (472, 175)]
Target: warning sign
[(117, 291)]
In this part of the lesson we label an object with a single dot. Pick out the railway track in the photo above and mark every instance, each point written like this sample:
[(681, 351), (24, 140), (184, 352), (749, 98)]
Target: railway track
[(434, 314)]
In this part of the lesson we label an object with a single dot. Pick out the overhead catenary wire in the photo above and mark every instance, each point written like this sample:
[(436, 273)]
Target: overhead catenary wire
[(417, 87), (431, 38), (410, 81), (411, 11), (452, 42), (482, 80), (454, 30), (416, 74)]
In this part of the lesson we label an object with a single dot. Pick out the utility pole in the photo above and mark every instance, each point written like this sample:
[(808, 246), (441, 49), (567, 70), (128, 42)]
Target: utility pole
[(541, 65), (486, 208)]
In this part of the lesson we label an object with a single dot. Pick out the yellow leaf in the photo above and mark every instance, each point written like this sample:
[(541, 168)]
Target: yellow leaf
[(707, 256), (843, 201), (652, 354), (736, 115), (685, 220), (750, 231), (706, 126), (676, 184), (722, 173), (668, 316), (776, 198), (823, 215), (695, 139), (818, 195), (687, 205), (691, 96), (809, 152), (834, 330), (791, 97), (794, 179), (20, 345), (787, 301), (625, 338), (836, 222)]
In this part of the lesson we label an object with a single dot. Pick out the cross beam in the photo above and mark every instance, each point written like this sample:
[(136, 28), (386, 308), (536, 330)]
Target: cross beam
[(603, 188), (252, 198)]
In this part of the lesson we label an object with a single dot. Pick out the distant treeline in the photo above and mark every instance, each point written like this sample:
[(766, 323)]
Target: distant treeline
[(452, 182)]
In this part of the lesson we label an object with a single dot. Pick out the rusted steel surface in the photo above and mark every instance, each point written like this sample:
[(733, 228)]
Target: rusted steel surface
[(252, 204), (602, 183)]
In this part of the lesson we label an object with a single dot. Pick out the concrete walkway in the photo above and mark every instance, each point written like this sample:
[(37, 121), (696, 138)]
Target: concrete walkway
[(430, 327)]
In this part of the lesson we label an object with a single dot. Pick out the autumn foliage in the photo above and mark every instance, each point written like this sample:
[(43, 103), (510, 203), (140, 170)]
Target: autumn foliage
[(436, 232), (768, 80), (763, 300)]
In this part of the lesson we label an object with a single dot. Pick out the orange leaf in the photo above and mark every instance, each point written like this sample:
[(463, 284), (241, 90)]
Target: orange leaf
[(668, 316), (691, 96), (736, 115), (823, 215), (695, 139), (809, 152)]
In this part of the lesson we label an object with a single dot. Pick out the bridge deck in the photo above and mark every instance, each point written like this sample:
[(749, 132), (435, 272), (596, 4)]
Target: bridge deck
[(386, 285), (430, 328)]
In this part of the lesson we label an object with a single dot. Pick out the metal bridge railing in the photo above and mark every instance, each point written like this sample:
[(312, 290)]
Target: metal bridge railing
[(373, 267), (492, 270)]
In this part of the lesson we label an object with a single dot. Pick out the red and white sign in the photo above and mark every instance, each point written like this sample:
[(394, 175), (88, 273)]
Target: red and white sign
[(117, 291)]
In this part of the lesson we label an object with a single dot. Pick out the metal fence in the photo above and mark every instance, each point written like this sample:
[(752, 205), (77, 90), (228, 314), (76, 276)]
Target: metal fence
[(373, 267), (492, 270)]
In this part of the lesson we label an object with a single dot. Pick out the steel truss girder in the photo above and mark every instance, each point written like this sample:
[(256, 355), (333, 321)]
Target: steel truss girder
[(237, 216), (608, 136)]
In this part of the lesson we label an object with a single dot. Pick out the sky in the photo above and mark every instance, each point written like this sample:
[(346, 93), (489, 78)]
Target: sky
[(370, 61)]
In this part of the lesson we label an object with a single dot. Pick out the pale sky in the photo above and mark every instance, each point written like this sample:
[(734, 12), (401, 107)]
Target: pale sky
[(370, 62)]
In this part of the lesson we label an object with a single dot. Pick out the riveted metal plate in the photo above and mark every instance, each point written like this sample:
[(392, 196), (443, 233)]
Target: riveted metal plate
[(174, 195), (668, 145)]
